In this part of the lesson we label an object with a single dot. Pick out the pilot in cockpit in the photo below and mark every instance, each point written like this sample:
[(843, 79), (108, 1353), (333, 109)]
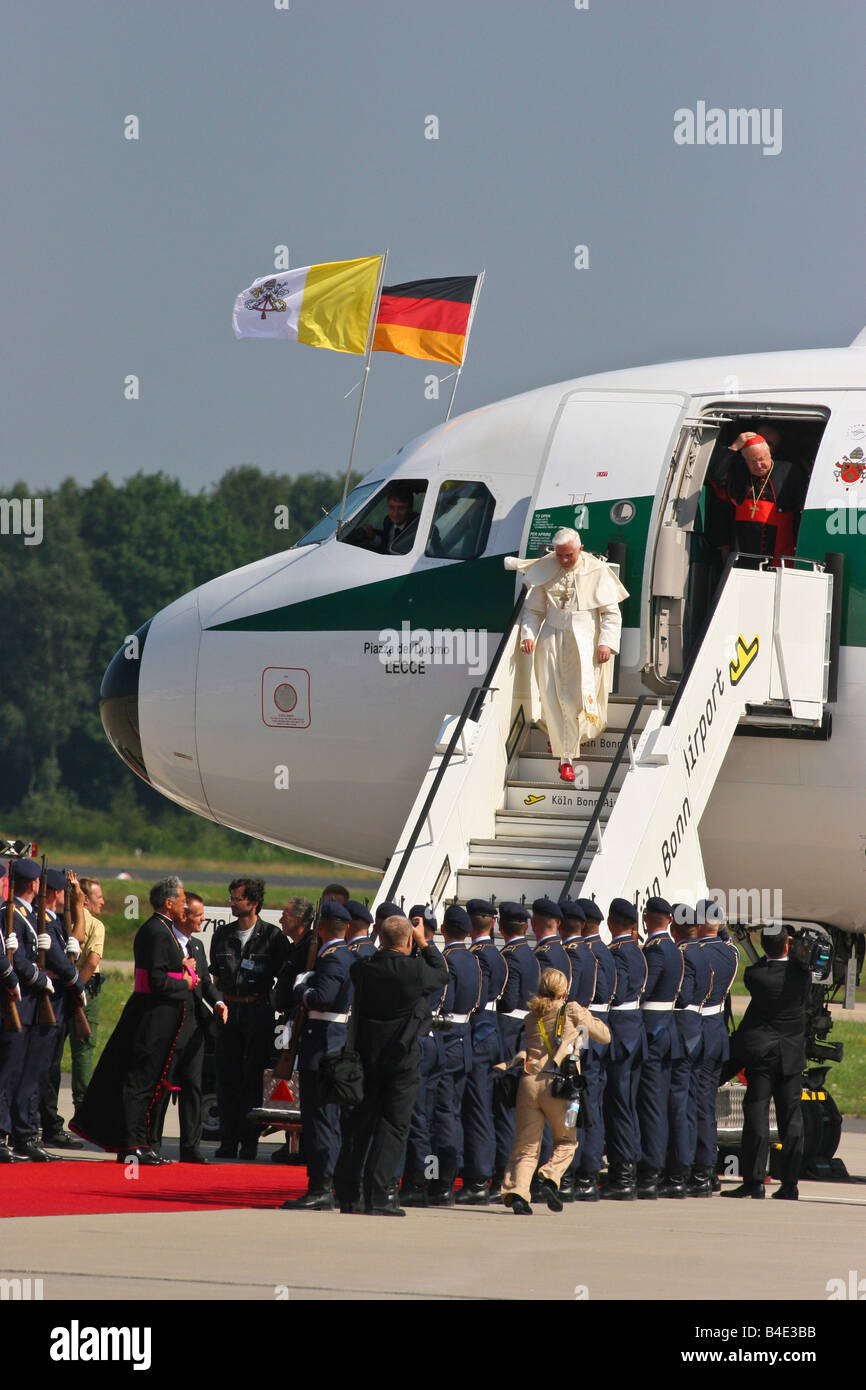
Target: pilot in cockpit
[(397, 532)]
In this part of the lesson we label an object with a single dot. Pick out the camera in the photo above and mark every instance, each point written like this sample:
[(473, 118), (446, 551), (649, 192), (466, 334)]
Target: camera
[(568, 1082)]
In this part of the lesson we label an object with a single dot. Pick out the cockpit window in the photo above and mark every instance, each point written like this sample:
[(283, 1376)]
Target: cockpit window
[(461, 523), (328, 524), (388, 524)]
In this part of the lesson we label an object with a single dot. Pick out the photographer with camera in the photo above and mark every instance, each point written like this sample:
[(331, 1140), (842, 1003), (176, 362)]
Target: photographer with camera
[(548, 1090), (771, 1043)]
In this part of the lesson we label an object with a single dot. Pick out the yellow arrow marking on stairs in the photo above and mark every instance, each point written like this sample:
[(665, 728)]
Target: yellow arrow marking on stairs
[(532, 798)]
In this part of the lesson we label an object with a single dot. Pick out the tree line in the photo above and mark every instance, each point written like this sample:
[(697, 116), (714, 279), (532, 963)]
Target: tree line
[(112, 555)]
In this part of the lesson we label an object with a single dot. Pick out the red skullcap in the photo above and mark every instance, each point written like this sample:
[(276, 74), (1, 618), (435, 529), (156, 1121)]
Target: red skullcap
[(755, 439)]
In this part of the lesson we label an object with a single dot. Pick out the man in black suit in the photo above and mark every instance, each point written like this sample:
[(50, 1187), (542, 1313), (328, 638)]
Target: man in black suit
[(771, 1043), (185, 1075), (391, 1005)]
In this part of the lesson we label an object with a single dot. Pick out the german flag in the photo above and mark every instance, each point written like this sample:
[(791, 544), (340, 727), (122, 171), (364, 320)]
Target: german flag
[(425, 318)]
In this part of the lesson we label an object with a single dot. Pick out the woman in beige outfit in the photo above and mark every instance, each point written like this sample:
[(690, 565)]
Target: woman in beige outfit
[(535, 1104)]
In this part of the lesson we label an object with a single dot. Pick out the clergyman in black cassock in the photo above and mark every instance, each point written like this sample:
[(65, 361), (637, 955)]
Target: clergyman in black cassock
[(121, 1102)]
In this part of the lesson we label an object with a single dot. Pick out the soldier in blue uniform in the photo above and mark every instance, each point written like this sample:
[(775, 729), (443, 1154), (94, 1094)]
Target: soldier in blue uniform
[(30, 1052), (593, 1062), (724, 960), (65, 978), (327, 994), (682, 1098), (414, 1191), (522, 983), (479, 1135), (549, 950), (11, 990), (358, 937), (581, 961), (627, 1051), (452, 1024), (664, 965)]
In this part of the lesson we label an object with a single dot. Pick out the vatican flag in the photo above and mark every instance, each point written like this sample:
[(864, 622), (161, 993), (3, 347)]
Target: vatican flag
[(325, 306)]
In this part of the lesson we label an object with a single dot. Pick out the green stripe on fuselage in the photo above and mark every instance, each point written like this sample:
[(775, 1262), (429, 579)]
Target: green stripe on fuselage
[(597, 532), (475, 594), (836, 530)]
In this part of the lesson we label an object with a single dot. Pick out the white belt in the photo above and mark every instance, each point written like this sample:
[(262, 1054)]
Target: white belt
[(516, 1013), (328, 1018), (615, 1008), (601, 1008), (456, 1018), (490, 1008), (713, 1009), (692, 1008), (658, 1007)]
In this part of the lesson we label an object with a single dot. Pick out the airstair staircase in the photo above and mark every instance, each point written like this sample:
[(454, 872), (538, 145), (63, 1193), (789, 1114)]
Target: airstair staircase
[(493, 820)]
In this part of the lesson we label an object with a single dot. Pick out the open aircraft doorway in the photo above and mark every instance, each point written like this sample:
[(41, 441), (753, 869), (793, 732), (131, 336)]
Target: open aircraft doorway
[(694, 532)]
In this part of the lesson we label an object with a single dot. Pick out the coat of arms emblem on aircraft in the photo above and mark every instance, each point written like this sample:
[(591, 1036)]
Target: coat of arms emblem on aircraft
[(852, 467)]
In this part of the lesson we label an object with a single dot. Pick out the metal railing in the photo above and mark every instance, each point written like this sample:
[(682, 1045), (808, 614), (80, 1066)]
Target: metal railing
[(602, 796), (471, 710)]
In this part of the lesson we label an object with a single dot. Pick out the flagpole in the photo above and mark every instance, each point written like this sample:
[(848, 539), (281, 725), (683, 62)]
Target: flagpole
[(479, 282), (371, 331)]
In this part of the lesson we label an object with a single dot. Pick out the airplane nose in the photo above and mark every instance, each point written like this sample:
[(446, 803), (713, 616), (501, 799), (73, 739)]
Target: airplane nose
[(118, 701)]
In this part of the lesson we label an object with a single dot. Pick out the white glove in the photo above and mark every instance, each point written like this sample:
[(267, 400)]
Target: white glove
[(43, 941), (12, 942), (299, 979), (73, 948), (49, 988)]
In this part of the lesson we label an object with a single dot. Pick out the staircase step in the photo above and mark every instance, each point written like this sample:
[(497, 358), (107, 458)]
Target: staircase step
[(517, 855), (588, 772), (526, 825), (604, 746), (512, 884), (539, 798)]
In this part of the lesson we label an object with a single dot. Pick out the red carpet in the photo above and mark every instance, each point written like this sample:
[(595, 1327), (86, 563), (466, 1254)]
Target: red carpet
[(71, 1188)]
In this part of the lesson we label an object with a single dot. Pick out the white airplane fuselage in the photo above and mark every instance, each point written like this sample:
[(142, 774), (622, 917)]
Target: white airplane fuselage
[(266, 699)]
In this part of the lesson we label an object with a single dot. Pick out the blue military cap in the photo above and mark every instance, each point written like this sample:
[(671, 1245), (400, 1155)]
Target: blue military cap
[(572, 910), (621, 907), (456, 917), (709, 911), (683, 915), (591, 910), (514, 912), (477, 907), (55, 879), (546, 907), (26, 868), (660, 905), (424, 912), (388, 910), (336, 911), (358, 911)]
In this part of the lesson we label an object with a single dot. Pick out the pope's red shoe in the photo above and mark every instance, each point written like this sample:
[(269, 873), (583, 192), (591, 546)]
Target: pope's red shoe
[(566, 772)]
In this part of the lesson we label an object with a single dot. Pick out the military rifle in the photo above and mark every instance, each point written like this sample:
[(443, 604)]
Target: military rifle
[(79, 1017), (46, 1013), (286, 1064), (12, 1019)]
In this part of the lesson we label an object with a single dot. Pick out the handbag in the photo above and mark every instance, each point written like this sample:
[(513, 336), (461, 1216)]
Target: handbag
[(507, 1082), (340, 1078)]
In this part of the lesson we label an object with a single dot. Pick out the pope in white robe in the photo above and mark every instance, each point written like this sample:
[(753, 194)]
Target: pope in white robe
[(572, 622)]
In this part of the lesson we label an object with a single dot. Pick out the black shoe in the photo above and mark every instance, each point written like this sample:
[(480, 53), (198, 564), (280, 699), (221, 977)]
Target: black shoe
[(385, 1211), (414, 1193), (227, 1151), (648, 1184), (474, 1194), (715, 1181), (699, 1184), (32, 1149), (281, 1155), (495, 1189), (566, 1187), (673, 1184), (518, 1204), (192, 1156), (145, 1157), (585, 1188), (621, 1185), (788, 1192), (549, 1193), (248, 1153), (6, 1154), (441, 1195), (61, 1140), (356, 1208), (747, 1189), (311, 1201)]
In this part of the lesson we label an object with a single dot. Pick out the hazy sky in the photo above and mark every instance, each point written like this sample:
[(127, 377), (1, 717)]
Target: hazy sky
[(306, 127)]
